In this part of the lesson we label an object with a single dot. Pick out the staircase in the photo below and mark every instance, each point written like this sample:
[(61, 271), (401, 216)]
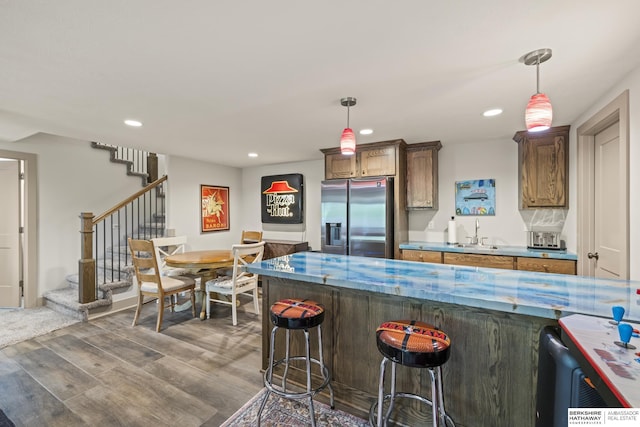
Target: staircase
[(109, 271)]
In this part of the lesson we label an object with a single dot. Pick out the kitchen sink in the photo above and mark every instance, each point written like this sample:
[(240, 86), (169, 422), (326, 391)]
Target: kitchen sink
[(470, 246)]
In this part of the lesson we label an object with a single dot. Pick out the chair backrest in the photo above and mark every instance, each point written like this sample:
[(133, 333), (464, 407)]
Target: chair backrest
[(244, 254), (249, 236), (145, 264), (166, 246)]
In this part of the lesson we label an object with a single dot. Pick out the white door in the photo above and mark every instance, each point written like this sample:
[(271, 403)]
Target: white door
[(9, 233), (608, 231)]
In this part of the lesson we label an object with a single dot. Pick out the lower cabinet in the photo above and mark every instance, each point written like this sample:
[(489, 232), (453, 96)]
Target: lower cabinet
[(422, 256), (477, 260), (276, 248), (542, 265), (546, 265)]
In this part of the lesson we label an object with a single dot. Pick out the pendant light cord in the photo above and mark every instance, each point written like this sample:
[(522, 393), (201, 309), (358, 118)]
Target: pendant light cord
[(538, 75), (348, 108)]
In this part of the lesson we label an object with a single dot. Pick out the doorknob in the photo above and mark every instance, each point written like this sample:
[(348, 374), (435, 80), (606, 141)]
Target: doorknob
[(590, 255)]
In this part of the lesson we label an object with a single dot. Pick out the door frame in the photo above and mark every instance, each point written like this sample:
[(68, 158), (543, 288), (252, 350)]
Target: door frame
[(616, 110), (30, 235)]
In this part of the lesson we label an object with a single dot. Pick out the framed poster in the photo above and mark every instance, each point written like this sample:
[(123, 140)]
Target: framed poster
[(282, 199), (476, 197), (214, 212)]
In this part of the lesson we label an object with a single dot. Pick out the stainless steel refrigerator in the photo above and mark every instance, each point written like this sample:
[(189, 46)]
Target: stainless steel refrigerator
[(357, 217)]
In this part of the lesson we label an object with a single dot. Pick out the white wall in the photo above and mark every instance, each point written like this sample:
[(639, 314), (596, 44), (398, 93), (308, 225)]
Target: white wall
[(72, 178), (183, 201), (474, 160), (313, 174)]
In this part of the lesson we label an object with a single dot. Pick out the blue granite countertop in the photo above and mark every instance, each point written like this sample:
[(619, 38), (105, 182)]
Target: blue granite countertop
[(538, 294), (490, 250)]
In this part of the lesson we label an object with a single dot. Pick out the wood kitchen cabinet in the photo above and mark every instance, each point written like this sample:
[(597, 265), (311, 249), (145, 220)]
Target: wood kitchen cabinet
[(374, 159), (422, 175), (543, 168), (378, 161), (546, 265), (340, 166), (276, 248), (422, 256), (477, 260), (542, 265)]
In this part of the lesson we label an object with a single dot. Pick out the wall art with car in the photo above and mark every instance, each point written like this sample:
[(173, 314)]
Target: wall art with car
[(476, 197)]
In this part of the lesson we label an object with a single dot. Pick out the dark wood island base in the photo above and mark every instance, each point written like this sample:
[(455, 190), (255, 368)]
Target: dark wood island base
[(489, 380)]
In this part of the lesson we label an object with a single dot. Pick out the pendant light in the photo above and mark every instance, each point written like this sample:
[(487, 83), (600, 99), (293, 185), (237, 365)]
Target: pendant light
[(539, 113), (348, 139)]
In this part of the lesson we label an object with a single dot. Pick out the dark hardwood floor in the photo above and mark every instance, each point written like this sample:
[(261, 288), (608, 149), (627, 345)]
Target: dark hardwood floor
[(107, 373)]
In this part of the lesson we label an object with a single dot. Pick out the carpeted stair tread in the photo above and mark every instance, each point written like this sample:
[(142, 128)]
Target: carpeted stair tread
[(65, 301)]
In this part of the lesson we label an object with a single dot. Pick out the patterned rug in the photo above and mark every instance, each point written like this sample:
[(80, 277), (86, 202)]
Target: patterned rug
[(282, 412), (5, 421)]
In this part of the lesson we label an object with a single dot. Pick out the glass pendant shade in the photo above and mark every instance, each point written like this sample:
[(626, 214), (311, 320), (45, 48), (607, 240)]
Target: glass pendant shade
[(348, 142), (539, 113)]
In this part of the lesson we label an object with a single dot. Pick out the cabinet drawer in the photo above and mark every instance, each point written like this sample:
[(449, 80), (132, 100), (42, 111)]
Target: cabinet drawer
[(545, 265), (475, 260), (422, 256)]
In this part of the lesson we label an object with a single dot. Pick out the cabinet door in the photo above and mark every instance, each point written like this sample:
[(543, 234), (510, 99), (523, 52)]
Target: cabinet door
[(475, 260), (339, 166), (422, 256), (545, 265), (420, 179), (543, 168), (378, 161)]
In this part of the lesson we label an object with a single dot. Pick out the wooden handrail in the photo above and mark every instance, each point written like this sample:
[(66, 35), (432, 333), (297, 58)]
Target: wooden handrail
[(128, 200)]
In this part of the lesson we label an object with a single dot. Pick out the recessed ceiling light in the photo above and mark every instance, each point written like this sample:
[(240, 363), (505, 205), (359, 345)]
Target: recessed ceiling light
[(492, 112), (253, 154), (133, 123), (366, 131)]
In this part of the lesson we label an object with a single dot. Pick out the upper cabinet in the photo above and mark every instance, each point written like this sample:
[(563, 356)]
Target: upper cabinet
[(374, 159), (543, 168), (378, 161), (339, 166), (422, 175)]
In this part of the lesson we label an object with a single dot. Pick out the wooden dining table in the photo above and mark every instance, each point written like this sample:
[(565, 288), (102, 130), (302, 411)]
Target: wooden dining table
[(202, 263)]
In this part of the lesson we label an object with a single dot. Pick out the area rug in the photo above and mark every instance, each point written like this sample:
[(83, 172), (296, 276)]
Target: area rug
[(23, 324), (5, 421), (283, 412)]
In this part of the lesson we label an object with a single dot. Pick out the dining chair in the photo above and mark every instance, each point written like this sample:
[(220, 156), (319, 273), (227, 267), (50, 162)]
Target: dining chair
[(249, 236), (152, 284), (166, 246), (240, 282)]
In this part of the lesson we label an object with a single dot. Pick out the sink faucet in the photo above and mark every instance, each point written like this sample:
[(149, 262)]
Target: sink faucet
[(473, 240)]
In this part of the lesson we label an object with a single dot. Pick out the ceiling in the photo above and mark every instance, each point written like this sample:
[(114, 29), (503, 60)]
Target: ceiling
[(215, 80)]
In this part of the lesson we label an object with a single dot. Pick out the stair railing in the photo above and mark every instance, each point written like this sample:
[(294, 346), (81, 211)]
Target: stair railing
[(139, 162), (103, 238)]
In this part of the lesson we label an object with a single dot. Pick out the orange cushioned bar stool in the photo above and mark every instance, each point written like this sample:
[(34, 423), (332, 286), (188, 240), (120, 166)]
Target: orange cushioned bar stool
[(417, 345), (296, 314)]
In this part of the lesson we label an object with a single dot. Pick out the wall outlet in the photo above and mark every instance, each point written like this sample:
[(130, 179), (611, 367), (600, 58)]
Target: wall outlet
[(431, 225)]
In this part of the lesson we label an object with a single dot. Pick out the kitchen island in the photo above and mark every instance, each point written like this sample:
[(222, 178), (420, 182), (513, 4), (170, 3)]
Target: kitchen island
[(494, 318)]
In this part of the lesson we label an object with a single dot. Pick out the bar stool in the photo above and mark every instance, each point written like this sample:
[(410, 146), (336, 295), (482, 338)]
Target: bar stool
[(417, 345), (296, 314)]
